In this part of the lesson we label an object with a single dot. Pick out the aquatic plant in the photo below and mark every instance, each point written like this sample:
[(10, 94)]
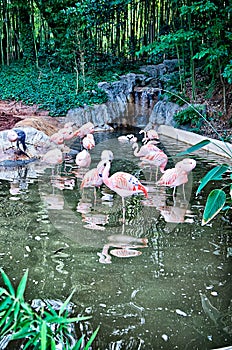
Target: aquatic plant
[(43, 329)]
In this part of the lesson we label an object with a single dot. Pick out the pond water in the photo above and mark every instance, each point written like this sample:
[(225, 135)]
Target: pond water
[(161, 281)]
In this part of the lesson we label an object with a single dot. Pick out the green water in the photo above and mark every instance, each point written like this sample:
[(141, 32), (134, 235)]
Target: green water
[(147, 301)]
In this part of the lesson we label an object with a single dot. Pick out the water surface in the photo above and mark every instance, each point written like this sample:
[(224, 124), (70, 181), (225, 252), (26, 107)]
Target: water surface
[(159, 297)]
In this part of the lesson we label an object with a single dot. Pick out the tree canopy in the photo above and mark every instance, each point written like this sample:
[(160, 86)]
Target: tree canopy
[(74, 36)]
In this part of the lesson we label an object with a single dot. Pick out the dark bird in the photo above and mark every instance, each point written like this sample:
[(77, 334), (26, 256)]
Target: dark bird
[(18, 136)]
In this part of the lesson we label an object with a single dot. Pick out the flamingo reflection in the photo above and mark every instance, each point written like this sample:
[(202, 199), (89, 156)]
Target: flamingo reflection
[(123, 247)]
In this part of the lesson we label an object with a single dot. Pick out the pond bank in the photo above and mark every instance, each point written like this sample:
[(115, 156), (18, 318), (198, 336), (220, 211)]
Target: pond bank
[(216, 146)]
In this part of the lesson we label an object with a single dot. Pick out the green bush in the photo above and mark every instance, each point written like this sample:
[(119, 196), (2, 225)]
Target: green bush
[(189, 116), (55, 91)]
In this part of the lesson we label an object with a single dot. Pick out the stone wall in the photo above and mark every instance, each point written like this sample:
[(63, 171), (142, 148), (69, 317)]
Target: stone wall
[(121, 94)]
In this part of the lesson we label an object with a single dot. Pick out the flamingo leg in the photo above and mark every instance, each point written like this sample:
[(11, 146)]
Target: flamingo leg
[(174, 193), (95, 195), (156, 174), (184, 192), (123, 211)]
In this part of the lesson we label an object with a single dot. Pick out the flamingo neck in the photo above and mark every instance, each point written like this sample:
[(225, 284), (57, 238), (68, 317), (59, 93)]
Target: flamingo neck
[(105, 174)]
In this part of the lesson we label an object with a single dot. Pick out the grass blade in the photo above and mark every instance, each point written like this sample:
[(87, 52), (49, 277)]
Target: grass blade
[(43, 336), (91, 339), (213, 174), (4, 304), (77, 346), (7, 283), (22, 286), (214, 204), (64, 306)]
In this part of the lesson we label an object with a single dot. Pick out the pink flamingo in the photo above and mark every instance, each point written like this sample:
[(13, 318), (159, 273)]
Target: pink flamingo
[(145, 149), (85, 129), (129, 138), (107, 155), (66, 132), (158, 159), (92, 178), (149, 135), (57, 138), (53, 156), (177, 176), (88, 142), (124, 184), (83, 159)]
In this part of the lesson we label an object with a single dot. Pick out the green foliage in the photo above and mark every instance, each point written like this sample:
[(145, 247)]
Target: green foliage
[(37, 330), (51, 90), (228, 72), (215, 202), (214, 174), (189, 116), (217, 198), (194, 148)]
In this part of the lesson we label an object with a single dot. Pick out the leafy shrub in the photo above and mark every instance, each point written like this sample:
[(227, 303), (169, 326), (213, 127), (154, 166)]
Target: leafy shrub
[(51, 90), (189, 116)]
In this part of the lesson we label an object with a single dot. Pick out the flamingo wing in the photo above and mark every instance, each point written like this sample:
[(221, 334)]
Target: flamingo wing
[(168, 178), (127, 183)]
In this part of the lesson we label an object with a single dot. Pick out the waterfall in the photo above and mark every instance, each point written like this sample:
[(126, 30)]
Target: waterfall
[(144, 100)]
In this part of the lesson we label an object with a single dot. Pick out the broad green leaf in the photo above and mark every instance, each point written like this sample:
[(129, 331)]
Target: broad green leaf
[(213, 174), (214, 204), (7, 282), (64, 320), (22, 286), (194, 148), (43, 336), (91, 339), (53, 344)]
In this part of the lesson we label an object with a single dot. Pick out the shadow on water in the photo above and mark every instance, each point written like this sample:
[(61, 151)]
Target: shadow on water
[(161, 281)]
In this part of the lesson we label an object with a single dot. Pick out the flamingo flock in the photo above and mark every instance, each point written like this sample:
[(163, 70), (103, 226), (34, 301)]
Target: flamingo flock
[(121, 183)]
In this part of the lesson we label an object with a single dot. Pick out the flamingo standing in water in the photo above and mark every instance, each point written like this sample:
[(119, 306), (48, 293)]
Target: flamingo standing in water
[(124, 184), (85, 129), (88, 142), (107, 155), (92, 178), (53, 156), (177, 176), (158, 159), (145, 149), (57, 138), (149, 135), (83, 159)]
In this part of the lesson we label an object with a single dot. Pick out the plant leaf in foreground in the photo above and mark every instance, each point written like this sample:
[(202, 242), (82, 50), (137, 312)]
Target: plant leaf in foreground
[(213, 174), (194, 148), (214, 204)]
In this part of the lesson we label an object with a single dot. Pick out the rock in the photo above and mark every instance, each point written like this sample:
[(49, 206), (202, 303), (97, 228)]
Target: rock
[(163, 113), (40, 124), (171, 65)]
